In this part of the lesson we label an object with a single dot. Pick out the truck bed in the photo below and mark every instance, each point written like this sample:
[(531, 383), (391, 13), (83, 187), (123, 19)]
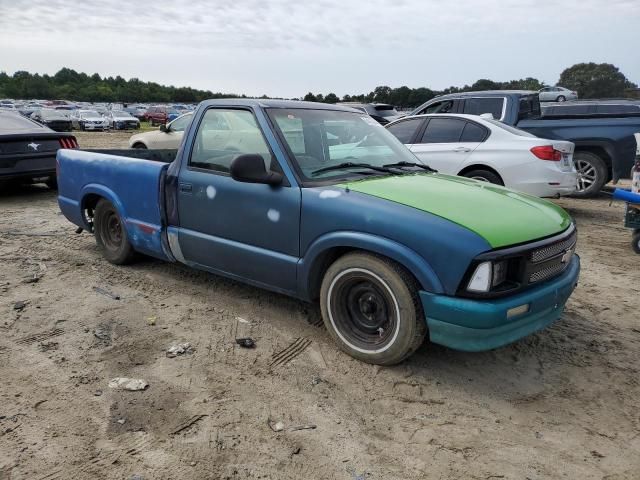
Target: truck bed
[(129, 179)]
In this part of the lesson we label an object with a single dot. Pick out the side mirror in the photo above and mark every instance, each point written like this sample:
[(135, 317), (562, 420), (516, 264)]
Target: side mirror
[(249, 168), (164, 128)]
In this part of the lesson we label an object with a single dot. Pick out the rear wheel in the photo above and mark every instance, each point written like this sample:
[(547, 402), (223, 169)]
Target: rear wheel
[(484, 176), (111, 236), (140, 145), (561, 98), (371, 308), (592, 174)]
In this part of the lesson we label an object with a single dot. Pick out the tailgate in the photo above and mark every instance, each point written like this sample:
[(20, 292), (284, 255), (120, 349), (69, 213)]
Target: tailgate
[(131, 185)]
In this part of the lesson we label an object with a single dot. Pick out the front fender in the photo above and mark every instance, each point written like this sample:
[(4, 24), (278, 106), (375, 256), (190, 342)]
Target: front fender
[(406, 257)]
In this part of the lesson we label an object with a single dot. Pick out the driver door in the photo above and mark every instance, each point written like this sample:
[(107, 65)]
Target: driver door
[(247, 231)]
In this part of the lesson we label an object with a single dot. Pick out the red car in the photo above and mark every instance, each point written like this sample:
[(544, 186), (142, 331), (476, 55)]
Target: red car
[(159, 115)]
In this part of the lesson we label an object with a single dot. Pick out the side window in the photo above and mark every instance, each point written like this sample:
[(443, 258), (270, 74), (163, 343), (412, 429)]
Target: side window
[(443, 130), (405, 130), (478, 106), (446, 106), (223, 135), (180, 124), (473, 133)]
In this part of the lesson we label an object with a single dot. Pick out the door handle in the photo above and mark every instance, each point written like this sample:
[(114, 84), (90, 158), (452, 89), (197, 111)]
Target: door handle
[(186, 187), (462, 149)]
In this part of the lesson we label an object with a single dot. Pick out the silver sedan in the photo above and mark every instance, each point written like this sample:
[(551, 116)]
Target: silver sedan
[(556, 94)]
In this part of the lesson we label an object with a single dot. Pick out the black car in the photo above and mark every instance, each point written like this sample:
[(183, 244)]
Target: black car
[(382, 113), (28, 150), (57, 120)]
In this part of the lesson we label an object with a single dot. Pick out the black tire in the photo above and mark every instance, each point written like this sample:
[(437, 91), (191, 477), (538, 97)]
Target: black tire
[(371, 308), (111, 236), (635, 242), (52, 183), (484, 176), (139, 145), (593, 173), (561, 98)]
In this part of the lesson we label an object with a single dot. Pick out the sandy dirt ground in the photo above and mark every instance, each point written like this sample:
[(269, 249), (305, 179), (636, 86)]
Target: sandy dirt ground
[(563, 403)]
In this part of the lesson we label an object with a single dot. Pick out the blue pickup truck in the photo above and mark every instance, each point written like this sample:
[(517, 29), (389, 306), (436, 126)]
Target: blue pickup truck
[(321, 203), (605, 144)]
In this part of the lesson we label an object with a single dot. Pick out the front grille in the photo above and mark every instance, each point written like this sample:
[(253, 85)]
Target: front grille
[(552, 259), (547, 272), (554, 249)]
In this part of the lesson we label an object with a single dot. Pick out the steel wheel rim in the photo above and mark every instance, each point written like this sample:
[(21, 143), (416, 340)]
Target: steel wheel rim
[(112, 232), (345, 287), (586, 175)]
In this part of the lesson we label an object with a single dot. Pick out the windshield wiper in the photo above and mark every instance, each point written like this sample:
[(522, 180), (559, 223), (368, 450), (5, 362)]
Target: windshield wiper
[(344, 165), (411, 164)]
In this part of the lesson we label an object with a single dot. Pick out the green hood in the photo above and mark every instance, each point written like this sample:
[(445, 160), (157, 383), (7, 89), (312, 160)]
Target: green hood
[(501, 216)]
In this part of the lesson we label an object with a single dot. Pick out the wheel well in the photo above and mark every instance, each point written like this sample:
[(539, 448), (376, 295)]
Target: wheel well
[(138, 143), (89, 203), (322, 263), (479, 167), (599, 152)]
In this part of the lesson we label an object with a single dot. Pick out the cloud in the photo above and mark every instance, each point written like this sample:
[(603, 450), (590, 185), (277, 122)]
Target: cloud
[(300, 45)]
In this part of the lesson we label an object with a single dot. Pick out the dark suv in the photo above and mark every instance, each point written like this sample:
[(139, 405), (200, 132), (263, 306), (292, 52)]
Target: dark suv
[(382, 113)]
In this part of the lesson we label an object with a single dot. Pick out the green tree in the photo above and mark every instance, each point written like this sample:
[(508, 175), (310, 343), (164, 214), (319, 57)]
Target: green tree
[(595, 80), (331, 98), (309, 97)]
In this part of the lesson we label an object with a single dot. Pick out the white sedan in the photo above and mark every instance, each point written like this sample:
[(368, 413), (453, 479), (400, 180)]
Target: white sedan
[(490, 151)]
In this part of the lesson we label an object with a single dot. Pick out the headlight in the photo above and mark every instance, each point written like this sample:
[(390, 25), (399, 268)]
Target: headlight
[(488, 275)]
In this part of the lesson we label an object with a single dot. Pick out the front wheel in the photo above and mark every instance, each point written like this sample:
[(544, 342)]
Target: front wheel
[(371, 308), (111, 236)]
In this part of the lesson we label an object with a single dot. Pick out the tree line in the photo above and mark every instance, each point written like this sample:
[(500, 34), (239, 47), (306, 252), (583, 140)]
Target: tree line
[(590, 80)]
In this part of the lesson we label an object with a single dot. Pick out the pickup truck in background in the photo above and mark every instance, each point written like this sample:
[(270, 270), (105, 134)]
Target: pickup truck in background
[(320, 202), (604, 143)]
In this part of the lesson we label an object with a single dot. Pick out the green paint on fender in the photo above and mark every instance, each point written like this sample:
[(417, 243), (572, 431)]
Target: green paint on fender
[(501, 216)]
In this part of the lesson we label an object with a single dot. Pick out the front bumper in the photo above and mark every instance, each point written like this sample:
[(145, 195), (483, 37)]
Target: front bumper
[(479, 325)]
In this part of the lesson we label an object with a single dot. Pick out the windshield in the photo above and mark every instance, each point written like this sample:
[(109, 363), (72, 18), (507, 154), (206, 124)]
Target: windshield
[(325, 138), (119, 113), (89, 113)]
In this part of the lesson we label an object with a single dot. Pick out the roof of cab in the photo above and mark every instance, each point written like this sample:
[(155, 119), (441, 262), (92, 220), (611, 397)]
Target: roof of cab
[(267, 103), (489, 93)]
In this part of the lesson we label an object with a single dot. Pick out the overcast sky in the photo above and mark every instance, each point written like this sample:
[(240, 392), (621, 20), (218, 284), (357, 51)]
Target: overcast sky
[(289, 47)]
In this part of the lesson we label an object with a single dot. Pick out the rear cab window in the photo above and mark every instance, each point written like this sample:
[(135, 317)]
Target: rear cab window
[(479, 105)]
